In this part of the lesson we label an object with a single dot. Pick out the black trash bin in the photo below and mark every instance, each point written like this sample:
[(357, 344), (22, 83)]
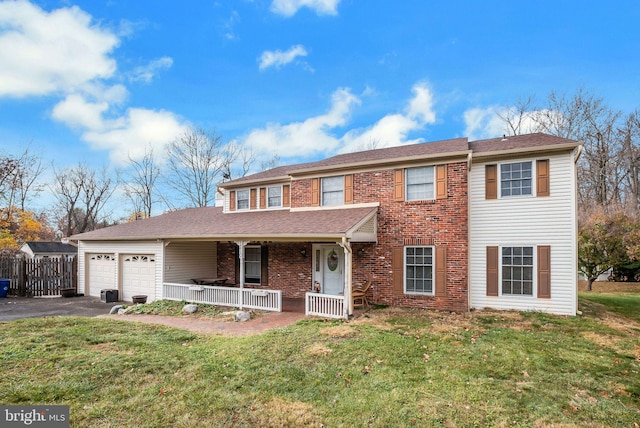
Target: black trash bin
[(108, 296), (4, 287)]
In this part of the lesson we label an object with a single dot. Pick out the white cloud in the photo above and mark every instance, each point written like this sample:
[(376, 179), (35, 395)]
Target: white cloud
[(421, 105), (483, 123), (147, 72), (307, 138), (63, 53), (129, 135), (76, 112), (279, 58), (393, 129), (290, 7), (314, 136), (125, 135), (489, 122), (49, 52)]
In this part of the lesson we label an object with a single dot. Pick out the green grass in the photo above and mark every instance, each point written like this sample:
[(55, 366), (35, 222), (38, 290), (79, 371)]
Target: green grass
[(390, 368), (627, 305), (173, 308)]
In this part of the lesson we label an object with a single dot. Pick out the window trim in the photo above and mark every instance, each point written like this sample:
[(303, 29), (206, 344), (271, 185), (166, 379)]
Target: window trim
[(534, 272), (322, 191), (533, 179), (433, 271), (433, 183), (259, 248), (238, 193)]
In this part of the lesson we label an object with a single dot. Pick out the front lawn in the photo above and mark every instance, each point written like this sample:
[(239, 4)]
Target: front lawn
[(390, 368)]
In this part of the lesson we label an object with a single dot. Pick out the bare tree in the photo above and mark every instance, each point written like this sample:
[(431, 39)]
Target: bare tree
[(520, 117), (18, 180), (196, 161), (140, 187), (237, 160), (82, 195), (629, 134), (26, 176), (583, 117)]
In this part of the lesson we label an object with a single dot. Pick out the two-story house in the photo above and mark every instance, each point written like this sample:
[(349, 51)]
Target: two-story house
[(449, 225)]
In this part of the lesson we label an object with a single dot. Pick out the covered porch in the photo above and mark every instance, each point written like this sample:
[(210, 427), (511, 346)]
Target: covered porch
[(297, 271)]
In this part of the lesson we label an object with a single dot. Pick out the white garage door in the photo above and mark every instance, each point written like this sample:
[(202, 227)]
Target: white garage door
[(138, 276), (102, 273)]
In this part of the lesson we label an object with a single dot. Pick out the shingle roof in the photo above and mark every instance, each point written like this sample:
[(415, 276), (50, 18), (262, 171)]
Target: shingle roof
[(417, 151), (527, 141), (51, 247), (421, 150), (211, 222)]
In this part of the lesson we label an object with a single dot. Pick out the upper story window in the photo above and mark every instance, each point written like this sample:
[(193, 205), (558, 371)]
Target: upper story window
[(333, 191), (274, 196), (516, 179), (419, 183), (242, 199)]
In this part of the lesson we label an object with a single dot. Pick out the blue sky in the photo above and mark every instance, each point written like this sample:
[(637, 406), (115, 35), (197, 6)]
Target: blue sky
[(97, 81)]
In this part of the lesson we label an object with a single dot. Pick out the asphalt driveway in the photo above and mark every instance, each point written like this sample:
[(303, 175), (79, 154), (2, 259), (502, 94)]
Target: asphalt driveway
[(13, 308)]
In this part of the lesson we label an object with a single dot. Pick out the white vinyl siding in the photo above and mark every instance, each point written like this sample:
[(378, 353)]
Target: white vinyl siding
[(118, 248), (187, 260), (529, 221)]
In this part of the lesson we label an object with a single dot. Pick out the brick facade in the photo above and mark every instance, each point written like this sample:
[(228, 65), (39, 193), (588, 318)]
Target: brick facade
[(442, 222)]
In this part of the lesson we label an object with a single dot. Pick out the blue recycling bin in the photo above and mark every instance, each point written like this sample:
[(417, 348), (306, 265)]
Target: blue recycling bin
[(4, 287)]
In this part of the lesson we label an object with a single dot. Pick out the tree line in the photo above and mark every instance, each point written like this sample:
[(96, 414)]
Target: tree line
[(185, 174)]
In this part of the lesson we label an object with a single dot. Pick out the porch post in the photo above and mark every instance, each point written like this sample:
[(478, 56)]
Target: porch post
[(241, 245), (348, 261)]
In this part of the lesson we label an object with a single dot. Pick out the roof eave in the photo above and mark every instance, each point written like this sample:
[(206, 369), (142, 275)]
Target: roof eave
[(379, 163), (496, 154), (285, 237), (264, 181)]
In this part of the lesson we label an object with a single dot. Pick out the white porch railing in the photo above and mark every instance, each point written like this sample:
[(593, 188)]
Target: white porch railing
[(324, 305), (266, 300)]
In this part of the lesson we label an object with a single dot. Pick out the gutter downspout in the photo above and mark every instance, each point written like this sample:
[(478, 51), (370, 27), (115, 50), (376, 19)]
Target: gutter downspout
[(576, 226), (348, 256)]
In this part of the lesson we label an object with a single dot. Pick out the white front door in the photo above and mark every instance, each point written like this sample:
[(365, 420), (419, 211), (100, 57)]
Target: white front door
[(331, 270)]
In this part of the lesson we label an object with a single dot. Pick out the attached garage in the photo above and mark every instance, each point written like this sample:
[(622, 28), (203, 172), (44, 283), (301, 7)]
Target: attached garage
[(138, 276), (132, 268), (101, 273)]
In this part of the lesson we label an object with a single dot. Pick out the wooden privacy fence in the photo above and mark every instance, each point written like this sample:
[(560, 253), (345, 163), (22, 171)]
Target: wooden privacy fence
[(41, 277)]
